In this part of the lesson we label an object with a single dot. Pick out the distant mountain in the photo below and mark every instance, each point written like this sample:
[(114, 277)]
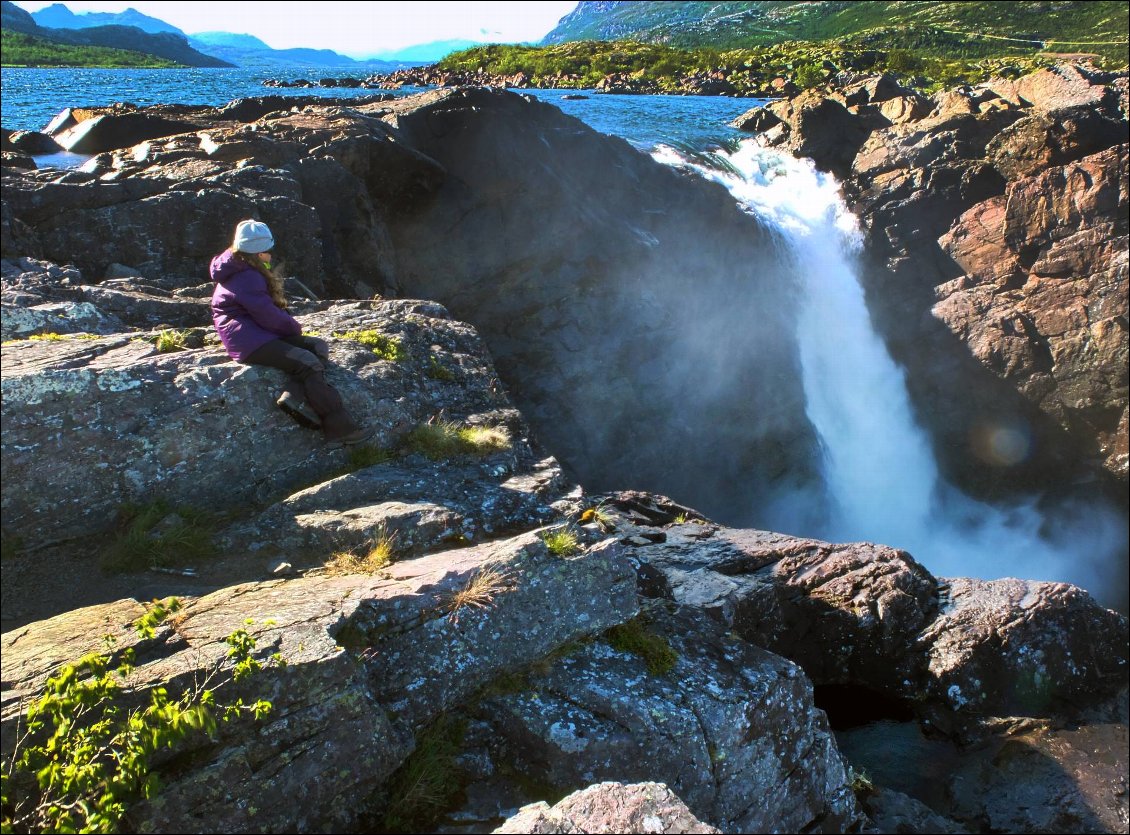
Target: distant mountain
[(426, 53), (939, 26), (170, 46), (249, 51), (59, 16), (225, 39)]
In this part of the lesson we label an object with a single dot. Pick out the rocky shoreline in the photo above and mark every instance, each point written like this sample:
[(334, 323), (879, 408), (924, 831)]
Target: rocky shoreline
[(426, 203)]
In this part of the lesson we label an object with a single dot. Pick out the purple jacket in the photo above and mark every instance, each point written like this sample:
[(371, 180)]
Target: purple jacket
[(245, 315)]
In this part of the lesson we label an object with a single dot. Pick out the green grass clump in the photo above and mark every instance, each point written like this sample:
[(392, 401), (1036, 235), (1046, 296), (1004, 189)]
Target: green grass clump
[(146, 541), (635, 637), (562, 542), (168, 341), (441, 439), (386, 347), (429, 781)]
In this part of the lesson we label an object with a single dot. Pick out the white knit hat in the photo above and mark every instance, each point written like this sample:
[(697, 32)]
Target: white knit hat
[(251, 237)]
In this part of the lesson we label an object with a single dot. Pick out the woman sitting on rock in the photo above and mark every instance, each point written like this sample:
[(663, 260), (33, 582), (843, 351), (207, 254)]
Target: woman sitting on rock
[(249, 312)]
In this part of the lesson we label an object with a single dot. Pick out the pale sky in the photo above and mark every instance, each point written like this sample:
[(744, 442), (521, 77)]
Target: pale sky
[(355, 29)]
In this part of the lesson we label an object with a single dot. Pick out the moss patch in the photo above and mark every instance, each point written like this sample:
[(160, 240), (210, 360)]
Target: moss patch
[(636, 637), (386, 347)]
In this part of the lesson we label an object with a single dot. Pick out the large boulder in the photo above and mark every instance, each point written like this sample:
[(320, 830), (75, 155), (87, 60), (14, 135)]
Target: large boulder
[(620, 305)]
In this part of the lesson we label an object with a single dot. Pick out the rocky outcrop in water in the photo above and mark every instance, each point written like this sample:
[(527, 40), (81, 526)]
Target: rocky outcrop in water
[(996, 220)]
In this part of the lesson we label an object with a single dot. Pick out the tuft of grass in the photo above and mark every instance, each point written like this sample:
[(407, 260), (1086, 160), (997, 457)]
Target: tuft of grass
[(635, 637), (561, 542), (381, 552), (367, 455), (167, 341), (158, 534), (428, 781), (486, 584), (441, 439), (386, 347)]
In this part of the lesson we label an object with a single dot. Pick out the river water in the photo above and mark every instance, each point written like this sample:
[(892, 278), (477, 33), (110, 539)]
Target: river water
[(31, 98)]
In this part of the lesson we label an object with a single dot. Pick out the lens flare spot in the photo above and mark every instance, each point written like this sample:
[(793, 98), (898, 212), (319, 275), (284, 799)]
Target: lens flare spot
[(1002, 445)]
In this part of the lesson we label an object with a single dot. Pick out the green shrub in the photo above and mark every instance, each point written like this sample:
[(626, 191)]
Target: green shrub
[(82, 759), (156, 535), (635, 637)]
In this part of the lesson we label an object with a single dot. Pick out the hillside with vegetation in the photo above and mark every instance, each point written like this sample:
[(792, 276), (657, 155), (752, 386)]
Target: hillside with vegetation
[(22, 50), (630, 66), (934, 29), (61, 47)]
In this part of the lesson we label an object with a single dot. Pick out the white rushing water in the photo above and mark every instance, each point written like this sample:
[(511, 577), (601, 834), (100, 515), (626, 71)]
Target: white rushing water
[(881, 478)]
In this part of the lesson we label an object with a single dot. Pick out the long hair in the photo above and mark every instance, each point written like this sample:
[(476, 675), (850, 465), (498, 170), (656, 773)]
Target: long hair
[(274, 280)]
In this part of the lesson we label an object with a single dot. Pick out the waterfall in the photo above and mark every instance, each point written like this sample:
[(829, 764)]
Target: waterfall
[(881, 480)]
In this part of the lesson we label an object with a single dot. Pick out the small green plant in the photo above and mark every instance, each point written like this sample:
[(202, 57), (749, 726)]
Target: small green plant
[(428, 781), (83, 759), (159, 611), (380, 553), (441, 439), (438, 371), (561, 542), (367, 455), (156, 535), (636, 637), (167, 341), (386, 347)]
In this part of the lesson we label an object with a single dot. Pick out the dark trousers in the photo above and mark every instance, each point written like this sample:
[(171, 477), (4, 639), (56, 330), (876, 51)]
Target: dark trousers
[(306, 380)]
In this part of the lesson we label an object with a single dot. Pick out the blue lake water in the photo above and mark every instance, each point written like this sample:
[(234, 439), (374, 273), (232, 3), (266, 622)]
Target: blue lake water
[(31, 98)]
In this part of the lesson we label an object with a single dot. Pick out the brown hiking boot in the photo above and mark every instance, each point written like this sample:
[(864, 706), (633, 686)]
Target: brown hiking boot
[(299, 410)]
